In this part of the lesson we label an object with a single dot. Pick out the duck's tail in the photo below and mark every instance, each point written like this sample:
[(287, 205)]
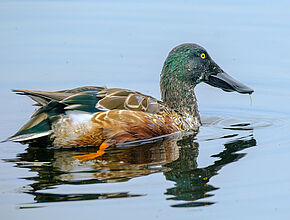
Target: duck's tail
[(39, 125)]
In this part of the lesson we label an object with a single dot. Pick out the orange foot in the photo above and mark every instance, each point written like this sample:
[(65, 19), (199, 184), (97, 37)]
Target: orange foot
[(92, 156)]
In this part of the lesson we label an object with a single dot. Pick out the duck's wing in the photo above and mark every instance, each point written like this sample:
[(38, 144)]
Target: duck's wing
[(84, 99), (112, 99), (42, 98), (95, 99)]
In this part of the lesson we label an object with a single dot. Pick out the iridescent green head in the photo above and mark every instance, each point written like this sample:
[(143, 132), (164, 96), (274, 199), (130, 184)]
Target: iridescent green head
[(185, 67)]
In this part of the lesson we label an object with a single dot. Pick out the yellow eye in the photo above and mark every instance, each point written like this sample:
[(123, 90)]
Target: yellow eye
[(202, 56)]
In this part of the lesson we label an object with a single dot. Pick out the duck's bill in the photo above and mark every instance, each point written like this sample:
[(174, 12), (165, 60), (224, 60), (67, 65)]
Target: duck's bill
[(227, 83)]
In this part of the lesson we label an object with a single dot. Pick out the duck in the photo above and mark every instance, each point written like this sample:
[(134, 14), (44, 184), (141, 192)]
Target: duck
[(101, 117)]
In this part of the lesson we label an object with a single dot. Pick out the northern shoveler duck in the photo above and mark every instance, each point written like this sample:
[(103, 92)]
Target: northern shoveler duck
[(100, 116)]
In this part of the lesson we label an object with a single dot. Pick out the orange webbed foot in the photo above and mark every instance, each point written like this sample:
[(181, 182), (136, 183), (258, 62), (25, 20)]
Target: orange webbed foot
[(92, 156)]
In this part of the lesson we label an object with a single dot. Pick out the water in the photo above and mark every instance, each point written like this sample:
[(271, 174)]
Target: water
[(234, 168)]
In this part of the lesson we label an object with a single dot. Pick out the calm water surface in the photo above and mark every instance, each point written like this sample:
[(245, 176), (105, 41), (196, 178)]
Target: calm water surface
[(236, 167)]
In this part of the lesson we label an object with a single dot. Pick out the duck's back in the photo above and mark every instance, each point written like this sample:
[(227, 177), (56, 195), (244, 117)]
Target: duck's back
[(87, 116)]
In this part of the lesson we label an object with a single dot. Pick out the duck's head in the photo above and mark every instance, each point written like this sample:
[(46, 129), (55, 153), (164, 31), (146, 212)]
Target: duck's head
[(185, 67), (191, 64)]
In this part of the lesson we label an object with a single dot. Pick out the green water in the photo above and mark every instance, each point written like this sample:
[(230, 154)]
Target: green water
[(236, 167)]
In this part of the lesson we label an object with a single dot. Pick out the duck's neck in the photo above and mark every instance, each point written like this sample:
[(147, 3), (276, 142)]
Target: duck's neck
[(179, 96)]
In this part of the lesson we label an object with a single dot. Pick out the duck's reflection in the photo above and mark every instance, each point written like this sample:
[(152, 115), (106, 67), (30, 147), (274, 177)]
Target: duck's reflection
[(191, 183), (175, 156)]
